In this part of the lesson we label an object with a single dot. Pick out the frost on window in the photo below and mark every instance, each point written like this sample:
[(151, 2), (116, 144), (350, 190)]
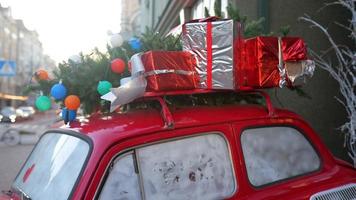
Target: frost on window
[(122, 182), (56, 161), (277, 153), (192, 168)]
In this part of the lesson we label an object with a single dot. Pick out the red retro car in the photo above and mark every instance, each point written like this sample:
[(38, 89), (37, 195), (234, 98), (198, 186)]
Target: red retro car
[(156, 149)]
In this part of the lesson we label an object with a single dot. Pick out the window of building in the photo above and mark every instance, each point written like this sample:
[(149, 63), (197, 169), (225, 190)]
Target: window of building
[(198, 9), (191, 168), (276, 153)]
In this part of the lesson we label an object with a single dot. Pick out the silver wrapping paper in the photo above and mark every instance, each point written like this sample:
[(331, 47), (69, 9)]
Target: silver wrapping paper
[(194, 40), (281, 67), (299, 72)]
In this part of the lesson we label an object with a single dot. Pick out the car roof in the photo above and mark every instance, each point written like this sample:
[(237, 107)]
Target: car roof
[(119, 126)]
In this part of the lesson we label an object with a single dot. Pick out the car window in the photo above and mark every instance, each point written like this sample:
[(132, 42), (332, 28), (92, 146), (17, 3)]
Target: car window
[(276, 153), (122, 183), (53, 167), (189, 168)]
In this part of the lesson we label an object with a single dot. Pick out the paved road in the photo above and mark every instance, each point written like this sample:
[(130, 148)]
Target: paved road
[(27, 131), (11, 160), (12, 157)]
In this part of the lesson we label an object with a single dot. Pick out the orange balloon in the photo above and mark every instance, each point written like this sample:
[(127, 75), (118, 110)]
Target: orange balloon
[(42, 74), (72, 102)]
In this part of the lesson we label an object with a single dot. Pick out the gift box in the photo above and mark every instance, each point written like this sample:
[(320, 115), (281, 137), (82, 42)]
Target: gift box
[(273, 62), (169, 70), (211, 41)]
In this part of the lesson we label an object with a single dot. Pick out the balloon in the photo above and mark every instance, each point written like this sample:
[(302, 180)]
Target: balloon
[(43, 103), (42, 74), (135, 43), (58, 91), (116, 40), (104, 87), (118, 65), (109, 32), (75, 58), (72, 102), (68, 115)]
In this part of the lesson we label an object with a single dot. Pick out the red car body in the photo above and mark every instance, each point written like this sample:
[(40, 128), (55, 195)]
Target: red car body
[(110, 135)]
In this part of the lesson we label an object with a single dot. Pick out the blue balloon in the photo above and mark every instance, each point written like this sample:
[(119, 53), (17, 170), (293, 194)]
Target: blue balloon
[(135, 43), (68, 115), (58, 91)]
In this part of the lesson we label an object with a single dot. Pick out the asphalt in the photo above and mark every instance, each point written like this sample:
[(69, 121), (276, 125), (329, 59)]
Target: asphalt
[(13, 156), (11, 161)]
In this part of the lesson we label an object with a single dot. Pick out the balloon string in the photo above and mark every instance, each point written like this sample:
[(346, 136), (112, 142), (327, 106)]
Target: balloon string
[(30, 82)]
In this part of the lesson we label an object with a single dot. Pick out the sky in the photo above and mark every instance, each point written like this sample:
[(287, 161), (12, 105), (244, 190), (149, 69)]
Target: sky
[(68, 27)]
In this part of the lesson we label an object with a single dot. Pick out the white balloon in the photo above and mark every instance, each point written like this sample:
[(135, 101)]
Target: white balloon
[(109, 32), (75, 58), (116, 40)]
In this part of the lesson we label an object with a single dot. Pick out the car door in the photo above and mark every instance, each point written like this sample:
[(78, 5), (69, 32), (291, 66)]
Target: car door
[(190, 163), (281, 159)]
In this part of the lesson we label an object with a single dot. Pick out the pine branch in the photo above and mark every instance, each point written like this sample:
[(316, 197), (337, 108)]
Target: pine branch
[(206, 12), (217, 8), (284, 30), (82, 78)]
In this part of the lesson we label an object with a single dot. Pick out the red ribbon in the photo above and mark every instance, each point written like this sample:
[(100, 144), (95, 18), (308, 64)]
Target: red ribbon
[(209, 44)]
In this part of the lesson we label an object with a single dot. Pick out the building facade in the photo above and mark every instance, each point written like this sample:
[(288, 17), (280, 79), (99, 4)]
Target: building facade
[(22, 46), (130, 18)]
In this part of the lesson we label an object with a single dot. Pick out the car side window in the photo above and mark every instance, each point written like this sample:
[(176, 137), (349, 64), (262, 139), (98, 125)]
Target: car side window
[(276, 153), (191, 168), (122, 182), (197, 167)]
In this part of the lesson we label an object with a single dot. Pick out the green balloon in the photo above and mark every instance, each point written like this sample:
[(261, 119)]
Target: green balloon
[(43, 103), (104, 87)]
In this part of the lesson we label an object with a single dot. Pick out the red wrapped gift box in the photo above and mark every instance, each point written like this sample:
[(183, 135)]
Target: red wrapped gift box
[(170, 70), (260, 60)]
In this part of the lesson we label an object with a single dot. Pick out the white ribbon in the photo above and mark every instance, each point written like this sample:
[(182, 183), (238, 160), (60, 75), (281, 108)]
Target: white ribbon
[(281, 67), (131, 87)]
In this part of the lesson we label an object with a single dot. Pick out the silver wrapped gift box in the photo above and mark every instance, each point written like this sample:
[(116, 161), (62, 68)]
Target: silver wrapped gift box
[(212, 43)]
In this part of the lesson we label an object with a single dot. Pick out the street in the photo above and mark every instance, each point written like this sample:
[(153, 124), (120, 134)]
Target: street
[(13, 156), (11, 160)]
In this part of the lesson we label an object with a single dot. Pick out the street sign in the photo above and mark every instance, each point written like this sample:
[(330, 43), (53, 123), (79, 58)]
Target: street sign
[(7, 68)]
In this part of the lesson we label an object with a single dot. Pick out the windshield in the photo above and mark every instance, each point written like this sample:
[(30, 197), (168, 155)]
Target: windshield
[(52, 169)]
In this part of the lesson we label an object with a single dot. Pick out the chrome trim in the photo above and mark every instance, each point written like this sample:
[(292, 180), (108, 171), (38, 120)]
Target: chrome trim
[(344, 192)]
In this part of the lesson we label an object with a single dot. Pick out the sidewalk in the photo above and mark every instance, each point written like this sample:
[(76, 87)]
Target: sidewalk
[(27, 131)]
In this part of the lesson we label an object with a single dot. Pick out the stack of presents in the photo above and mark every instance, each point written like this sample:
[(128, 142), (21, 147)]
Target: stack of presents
[(215, 56)]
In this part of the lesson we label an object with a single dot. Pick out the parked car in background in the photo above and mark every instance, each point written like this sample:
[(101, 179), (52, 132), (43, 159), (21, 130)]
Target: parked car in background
[(25, 112), (8, 114)]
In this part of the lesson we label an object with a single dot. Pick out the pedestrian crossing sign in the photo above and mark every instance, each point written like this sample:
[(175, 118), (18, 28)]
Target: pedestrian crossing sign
[(7, 68)]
